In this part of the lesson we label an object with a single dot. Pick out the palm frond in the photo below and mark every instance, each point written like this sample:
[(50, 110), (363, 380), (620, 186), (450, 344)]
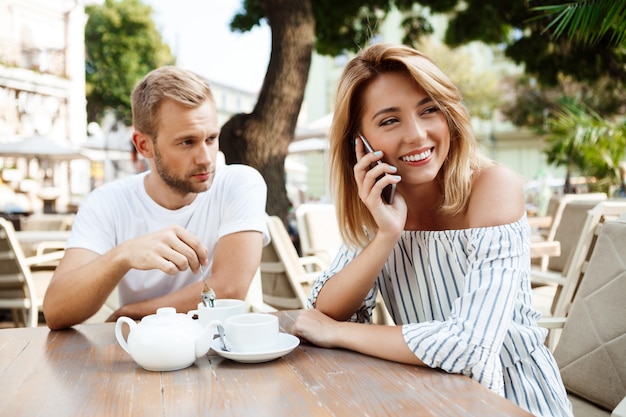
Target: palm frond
[(587, 21)]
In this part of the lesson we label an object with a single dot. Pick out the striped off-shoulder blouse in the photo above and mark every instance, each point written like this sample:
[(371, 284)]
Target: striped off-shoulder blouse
[(464, 300)]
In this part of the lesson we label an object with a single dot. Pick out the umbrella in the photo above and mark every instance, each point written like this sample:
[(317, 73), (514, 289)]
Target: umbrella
[(39, 147), (46, 152)]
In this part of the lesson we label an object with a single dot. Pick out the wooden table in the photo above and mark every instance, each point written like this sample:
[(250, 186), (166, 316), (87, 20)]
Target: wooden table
[(84, 372)]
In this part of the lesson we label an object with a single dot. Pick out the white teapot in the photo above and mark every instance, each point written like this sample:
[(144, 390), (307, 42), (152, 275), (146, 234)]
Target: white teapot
[(165, 341)]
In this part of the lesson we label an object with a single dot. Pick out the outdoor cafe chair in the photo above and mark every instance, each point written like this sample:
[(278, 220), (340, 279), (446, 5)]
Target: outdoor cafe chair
[(284, 280), (318, 230), (45, 223), (587, 219), (591, 348), (23, 280), (558, 223), (566, 234)]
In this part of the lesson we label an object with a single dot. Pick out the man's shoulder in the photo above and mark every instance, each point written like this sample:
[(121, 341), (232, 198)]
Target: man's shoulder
[(235, 169), (123, 185), (238, 172), (238, 183)]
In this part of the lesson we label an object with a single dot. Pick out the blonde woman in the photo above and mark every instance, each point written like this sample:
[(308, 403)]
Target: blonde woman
[(450, 254)]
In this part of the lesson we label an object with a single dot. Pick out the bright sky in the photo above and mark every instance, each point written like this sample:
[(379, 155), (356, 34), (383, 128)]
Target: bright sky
[(199, 35)]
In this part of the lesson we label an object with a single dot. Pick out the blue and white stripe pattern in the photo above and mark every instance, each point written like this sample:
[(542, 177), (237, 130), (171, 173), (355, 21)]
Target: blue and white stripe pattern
[(464, 300)]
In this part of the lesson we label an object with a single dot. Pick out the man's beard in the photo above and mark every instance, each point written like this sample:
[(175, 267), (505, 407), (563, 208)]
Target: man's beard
[(180, 185)]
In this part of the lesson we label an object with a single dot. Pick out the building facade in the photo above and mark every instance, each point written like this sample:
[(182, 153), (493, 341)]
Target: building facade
[(42, 69), (42, 91)]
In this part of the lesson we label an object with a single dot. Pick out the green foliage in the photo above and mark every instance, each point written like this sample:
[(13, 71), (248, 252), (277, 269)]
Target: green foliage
[(349, 25), (524, 32), (532, 101), (579, 137), (587, 65), (557, 68), (122, 45), (587, 21), (583, 141), (481, 89)]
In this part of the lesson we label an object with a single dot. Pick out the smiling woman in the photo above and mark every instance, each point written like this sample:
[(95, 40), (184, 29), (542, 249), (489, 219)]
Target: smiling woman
[(449, 256)]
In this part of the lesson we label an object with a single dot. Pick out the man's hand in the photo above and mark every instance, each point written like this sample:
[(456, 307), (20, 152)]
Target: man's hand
[(170, 250)]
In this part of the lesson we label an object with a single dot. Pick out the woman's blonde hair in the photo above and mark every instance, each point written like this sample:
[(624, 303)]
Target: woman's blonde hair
[(182, 86), (463, 159)]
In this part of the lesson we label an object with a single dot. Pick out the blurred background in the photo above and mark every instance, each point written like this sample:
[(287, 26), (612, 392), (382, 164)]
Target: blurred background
[(547, 102)]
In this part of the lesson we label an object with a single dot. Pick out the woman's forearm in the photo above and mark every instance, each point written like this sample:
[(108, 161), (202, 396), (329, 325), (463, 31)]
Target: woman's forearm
[(342, 294)]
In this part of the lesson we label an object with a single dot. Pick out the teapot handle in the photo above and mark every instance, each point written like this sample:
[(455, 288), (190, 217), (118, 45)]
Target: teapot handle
[(118, 331), (204, 340)]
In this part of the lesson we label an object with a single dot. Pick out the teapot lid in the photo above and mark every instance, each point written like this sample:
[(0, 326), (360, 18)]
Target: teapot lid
[(165, 316)]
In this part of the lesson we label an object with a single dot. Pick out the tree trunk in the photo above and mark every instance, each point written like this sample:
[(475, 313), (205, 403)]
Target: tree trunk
[(261, 138)]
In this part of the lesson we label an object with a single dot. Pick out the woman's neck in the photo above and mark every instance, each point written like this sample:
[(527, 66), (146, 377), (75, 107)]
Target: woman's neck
[(423, 203)]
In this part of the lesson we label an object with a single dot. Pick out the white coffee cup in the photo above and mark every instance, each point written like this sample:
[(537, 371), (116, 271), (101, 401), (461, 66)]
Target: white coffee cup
[(251, 332), (222, 309)]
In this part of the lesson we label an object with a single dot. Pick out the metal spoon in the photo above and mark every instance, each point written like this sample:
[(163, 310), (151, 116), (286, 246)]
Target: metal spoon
[(220, 330), (207, 295)]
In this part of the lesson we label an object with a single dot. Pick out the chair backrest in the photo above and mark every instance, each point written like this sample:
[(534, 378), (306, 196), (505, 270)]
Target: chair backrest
[(579, 259), (591, 351), (567, 233), (17, 289), (319, 230), (561, 222), (282, 273), (47, 222), (558, 204)]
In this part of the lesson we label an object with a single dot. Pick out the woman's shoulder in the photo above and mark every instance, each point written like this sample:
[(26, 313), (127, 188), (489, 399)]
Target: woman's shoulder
[(497, 172), (497, 197)]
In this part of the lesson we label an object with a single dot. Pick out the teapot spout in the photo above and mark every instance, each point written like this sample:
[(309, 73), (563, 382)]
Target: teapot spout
[(205, 338)]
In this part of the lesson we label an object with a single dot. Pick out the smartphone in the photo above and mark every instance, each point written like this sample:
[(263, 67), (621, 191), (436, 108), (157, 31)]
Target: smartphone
[(390, 190)]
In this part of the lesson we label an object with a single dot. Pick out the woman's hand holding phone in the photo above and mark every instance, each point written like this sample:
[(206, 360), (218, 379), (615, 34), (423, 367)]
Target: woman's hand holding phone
[(390, 217), (389, 191)]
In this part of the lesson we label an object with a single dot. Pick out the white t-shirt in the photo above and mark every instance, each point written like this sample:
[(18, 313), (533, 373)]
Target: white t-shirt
[(122, 209)]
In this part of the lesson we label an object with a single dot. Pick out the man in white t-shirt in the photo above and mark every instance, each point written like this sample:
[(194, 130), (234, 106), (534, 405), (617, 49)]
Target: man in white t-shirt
[(149, 234)]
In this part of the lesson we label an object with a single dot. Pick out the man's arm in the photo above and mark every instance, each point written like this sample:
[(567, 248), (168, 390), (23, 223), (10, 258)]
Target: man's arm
[(237, 257), (80, 285), (83, 279)]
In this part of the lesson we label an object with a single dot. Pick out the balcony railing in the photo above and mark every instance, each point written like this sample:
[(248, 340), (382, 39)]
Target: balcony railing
[(43, 60)]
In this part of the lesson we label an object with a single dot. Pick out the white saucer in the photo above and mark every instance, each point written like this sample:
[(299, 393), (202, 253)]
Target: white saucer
[(286, 343)]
